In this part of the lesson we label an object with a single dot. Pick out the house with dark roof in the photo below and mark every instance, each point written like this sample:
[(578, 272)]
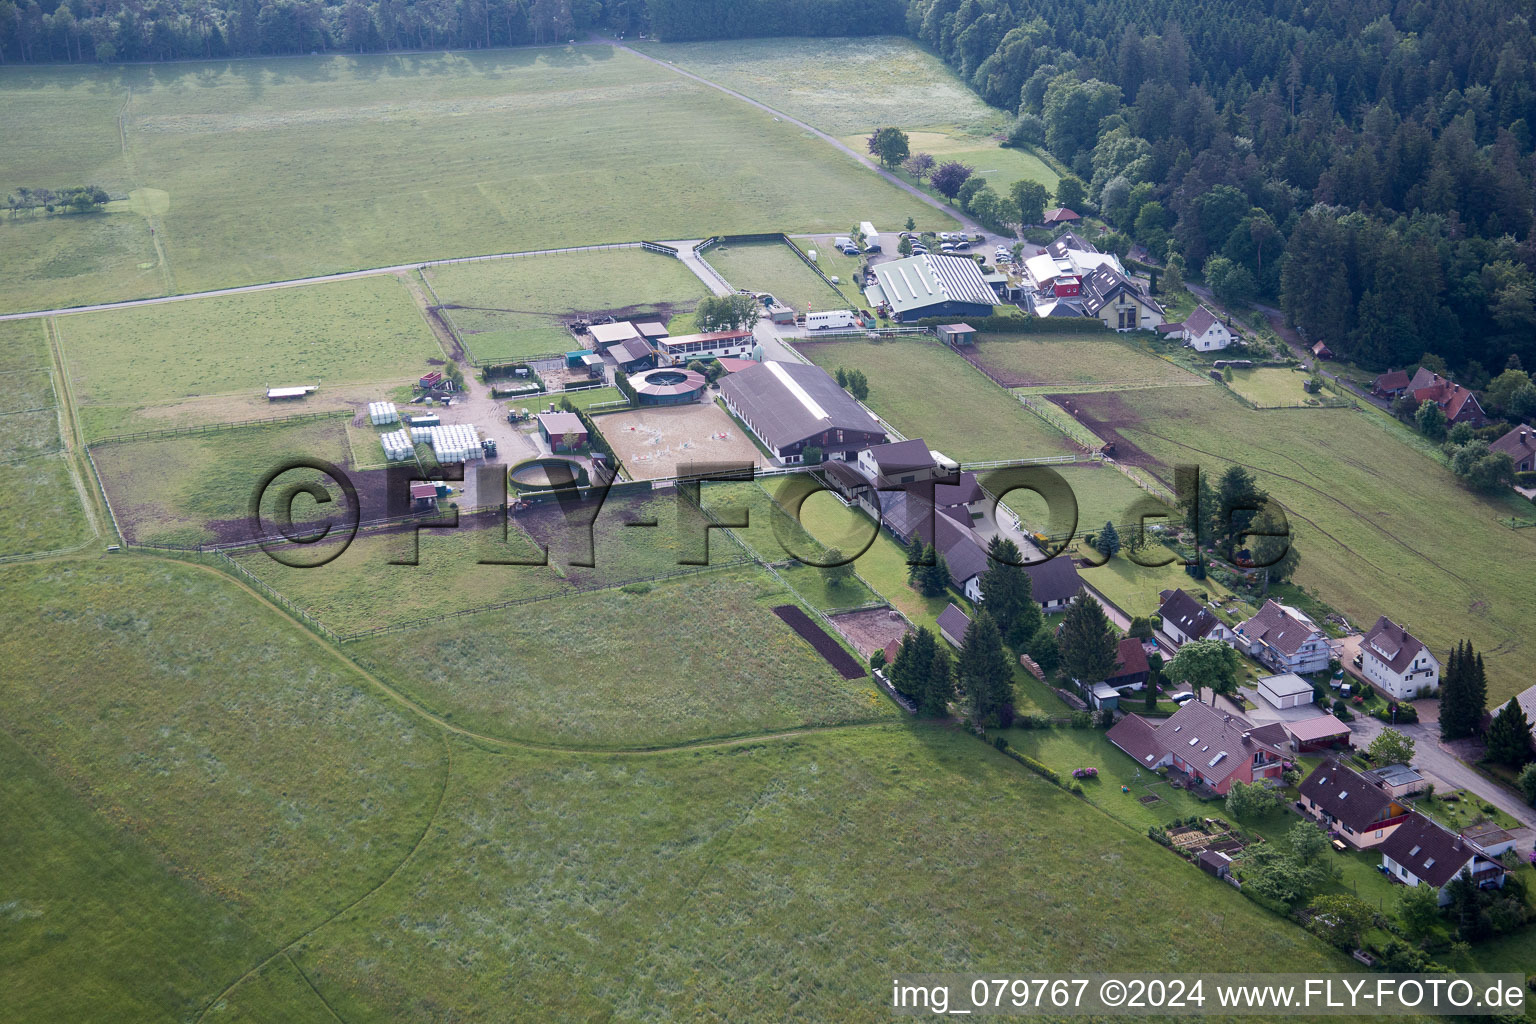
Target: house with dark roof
[(1322, 351), (794, 406), (1054, 583), (895, 463), (1213, 748), (1202, 331), (963, 497), (908, 514), (1112, 298), (1284, 639), (1391, 384), (953, 623), (1359, 810), (1185, 619), (1131, 666), (630, 354), (1520, 445), (1421, 852), (1394, 660), (1459, 403)]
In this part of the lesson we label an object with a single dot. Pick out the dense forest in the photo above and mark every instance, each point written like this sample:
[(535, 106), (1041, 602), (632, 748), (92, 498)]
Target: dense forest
[(1365, 164)]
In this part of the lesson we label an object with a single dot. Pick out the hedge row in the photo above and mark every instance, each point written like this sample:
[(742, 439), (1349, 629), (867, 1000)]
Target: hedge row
[(1045, 772), (1033, 324)]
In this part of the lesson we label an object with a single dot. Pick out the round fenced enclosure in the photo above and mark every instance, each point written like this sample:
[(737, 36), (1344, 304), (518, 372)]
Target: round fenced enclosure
[(669, 385), (545, 471)]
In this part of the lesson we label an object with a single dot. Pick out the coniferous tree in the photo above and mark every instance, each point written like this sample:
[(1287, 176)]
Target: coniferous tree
[(917, 554), (1087, 641), (984, 673), (1008, 592), (941, 684), (1452, 696), (934, 579), (1509, 736), (1109, 541)]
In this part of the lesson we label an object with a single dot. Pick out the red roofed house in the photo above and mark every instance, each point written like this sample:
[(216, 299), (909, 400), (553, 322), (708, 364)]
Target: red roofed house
[(1131, 668), (1421, 852), (1284, 639), (1061, 215), (1391, 384), (1356, 809), (1460, 405), (1213, 748), (1520, 445)]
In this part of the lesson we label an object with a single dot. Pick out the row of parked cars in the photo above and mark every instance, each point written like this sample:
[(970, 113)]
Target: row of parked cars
[(949, 241)]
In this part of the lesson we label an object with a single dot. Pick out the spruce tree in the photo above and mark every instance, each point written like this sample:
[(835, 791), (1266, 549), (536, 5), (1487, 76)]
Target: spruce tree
[(935, 578), (1087, 641), (1509, 736), (1451, 696), (985, 675), (941, 684), (1109, 541), (916, 554), (924, 644), (1008, 592)]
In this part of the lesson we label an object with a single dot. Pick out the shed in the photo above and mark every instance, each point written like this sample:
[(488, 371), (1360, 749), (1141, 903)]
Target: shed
[(1313, 734), (952, 625), (1322, 351), (1287, 690), (1214, 862), (423, 497), (612, 334), (563, 431), (956, 334), (1104, 696)]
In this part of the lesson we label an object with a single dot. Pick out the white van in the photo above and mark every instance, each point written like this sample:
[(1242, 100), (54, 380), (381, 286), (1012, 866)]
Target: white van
[(831, 319)]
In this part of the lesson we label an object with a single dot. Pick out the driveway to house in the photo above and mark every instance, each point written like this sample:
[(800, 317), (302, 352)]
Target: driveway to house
[(1432, 756)]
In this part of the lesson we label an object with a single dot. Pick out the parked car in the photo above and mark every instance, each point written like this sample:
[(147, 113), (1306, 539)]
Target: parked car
[(946, 247), (962, 244), (850, 250), (1182, 697)]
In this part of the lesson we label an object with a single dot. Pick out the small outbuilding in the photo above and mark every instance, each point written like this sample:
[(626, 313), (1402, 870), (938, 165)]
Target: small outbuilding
[(956, 334), (423, 497), (1104, 696), (287, 394), (1214, 862), (952, 624), (1314, 734), (563, 431), (1287, 690)]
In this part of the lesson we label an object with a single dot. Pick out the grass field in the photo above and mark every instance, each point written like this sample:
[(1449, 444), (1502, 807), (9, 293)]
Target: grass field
[(595, 670), (196, 488), (772, 267), (233, 348), (586, 874), (1269, 385), (509, 309), (925, 390), (1000, 166), (1023, 360), (264, 170), (841, 86), (1380, 529), (44, 513), (250, 762)]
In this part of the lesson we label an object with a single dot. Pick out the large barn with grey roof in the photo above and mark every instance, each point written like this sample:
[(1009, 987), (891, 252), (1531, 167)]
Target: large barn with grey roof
[(940, 286), (793, 406)]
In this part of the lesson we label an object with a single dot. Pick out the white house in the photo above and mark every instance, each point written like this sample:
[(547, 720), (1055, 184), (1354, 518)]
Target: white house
[(1394, 660), (1284, 639), (1185, 619), (1201, 331), (1421, 852)]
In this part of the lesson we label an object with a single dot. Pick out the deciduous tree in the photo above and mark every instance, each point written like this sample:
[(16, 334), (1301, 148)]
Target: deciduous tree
[(1202, 663), (889, 146)]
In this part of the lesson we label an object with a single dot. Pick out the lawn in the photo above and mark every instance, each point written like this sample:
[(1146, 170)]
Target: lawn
[(550, 883), (196, 488), (595, 670), (1037, 360), (1380, 529), (515, 308), (772, 267), (925, 390), (1269, 385), (841, 86), (246, 760), (1000, 166), (228, 350), (262, 170), (1462, 812)]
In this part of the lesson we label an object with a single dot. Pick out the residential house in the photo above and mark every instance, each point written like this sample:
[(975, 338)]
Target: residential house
[(1520, 445), (953, 623), (1186, 619), (1131, 667), (1060, 215), (1355, 808), (1118, 302), (963, 499), (1421, 852), (1284, 639), (1395, 661), (1390, 385), (1460, 405), (1202, 331), (1054, 583), (897, 462), (908, 514), (1214, 749)]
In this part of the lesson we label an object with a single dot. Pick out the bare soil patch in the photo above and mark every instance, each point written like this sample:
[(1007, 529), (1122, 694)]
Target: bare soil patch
[(654, 442), (871, 630)]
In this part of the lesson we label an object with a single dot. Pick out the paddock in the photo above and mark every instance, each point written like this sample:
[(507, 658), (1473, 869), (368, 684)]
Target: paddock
[(654, 442)]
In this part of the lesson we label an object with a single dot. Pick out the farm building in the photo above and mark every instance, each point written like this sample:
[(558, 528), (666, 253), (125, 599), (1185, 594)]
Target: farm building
[(953, 623), (920, 286), (1391, 384), (687, 347), (1287, 690), (652, 330), (563, 431), (793, 406), (423, 497), (612, 334), (668, 385), (631, 354), (956, 334)]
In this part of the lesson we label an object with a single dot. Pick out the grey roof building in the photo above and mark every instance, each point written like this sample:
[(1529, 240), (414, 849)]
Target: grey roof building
[(920, 286), (791, 406)]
